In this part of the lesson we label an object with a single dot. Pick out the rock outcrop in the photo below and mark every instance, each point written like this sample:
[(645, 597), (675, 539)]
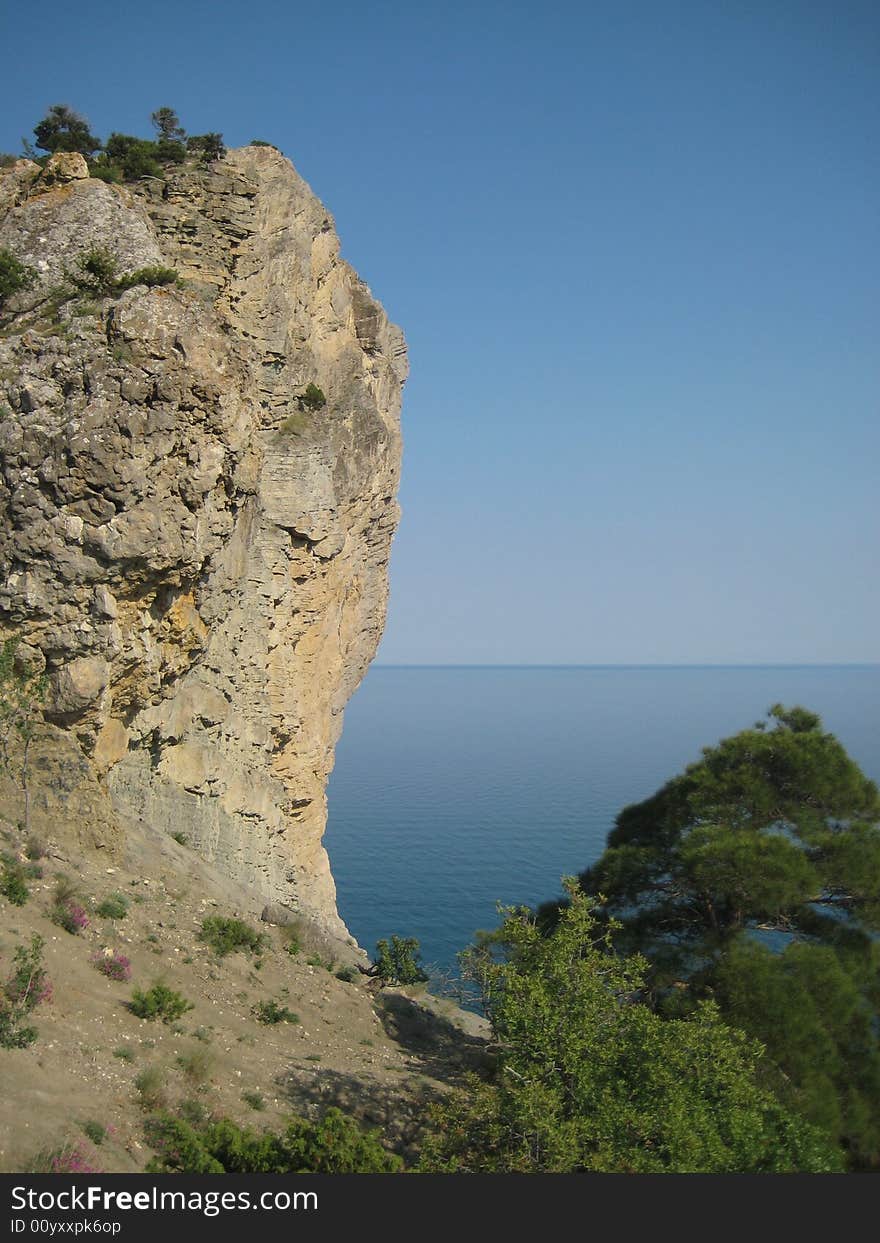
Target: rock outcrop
[(194, 554)]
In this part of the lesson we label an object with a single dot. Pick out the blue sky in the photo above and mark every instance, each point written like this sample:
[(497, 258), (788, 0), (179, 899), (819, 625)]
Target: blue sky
[(634, 248)]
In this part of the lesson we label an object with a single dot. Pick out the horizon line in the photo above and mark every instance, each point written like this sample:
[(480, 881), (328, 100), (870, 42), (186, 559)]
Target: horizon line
[(844, 664)]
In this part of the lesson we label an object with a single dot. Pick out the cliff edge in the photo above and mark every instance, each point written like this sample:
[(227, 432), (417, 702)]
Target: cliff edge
[(194, 550)]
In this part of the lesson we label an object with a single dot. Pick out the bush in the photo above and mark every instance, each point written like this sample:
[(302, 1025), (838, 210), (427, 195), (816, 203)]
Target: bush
[(208, 146), (95, 1131), (27, 988), (398, 962), (96, 271), (113, 964), (256, 1100), (333, 1145), (35, 849), (159, 1002), (270, 1012), (150, 276), (226, 936), (313, 398), (115, 906), (290, 940), (12, 884), (14, 275), (70, 916)]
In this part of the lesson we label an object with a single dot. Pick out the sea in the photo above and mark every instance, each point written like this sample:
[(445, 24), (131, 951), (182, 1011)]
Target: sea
[(459, 788)]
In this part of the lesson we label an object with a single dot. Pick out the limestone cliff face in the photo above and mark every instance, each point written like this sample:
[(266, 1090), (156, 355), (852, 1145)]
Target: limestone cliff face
[(196, 558)]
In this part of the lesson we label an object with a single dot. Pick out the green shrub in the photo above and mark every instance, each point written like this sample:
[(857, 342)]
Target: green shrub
[(397, 962), (96, 271), (149, 276), (158, 1002), (12, 884), (290, 939), (113, 907), (35, 849), (134, 157), (348, 975), (95, 1131), (255, 1099), (15, 276), (313, 398), (208, 146), (226, 936), (180, 838), (27, 987), (271, 1012), (124, 1052), (334, 1145), (256, 142)]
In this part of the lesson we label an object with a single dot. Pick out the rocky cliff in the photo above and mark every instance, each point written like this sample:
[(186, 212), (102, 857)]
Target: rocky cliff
[(193, 554)]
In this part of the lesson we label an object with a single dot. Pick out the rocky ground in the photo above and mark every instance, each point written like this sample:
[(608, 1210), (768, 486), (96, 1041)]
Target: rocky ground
[(382, 1054)]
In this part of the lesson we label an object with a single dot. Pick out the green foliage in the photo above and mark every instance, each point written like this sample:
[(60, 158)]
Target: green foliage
[(226, 936), (256, 142), (208, 146), (271, 1012), (334, 1145), (256, 1100), (150, 276), (181, 839), (124, 1052), (115, 906), (589, 1078), (133, 157), (62, 129), (159, 1002), (15, 276), (95, 1131), (167, 125), (96, 271), (26, 988), (12, 884), (313, 398), (397, 962), (775, 832)]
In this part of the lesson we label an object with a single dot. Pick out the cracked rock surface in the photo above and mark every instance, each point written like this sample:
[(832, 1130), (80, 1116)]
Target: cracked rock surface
[(195, 557)]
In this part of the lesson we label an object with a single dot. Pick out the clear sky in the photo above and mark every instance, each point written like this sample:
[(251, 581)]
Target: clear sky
[(634, 248)]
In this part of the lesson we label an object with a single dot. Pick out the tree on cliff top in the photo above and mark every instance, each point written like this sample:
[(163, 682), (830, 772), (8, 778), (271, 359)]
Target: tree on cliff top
[(62, 129)]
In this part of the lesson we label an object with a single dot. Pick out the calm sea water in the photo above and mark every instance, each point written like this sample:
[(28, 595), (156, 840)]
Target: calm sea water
[(458, 788)]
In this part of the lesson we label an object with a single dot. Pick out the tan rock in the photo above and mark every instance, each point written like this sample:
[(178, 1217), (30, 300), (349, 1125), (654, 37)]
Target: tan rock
[(195, 554)]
